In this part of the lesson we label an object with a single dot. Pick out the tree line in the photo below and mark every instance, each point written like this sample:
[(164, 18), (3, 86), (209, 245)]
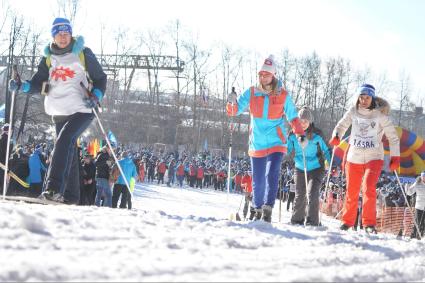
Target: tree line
[(187, 106)]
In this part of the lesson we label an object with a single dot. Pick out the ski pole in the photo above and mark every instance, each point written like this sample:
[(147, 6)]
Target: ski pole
[(112, 150), (329, 175), (89, 94), (408, 204), (238, 217), (17, 79), (280, 202), (230, 146), (305, 171), (228, 168)]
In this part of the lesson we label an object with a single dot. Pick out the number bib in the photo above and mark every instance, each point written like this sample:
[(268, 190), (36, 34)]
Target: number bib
[(364, 133)]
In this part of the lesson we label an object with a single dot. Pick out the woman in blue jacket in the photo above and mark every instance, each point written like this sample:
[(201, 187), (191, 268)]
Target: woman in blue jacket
[(306, 207), (268, 103), (37, 170)]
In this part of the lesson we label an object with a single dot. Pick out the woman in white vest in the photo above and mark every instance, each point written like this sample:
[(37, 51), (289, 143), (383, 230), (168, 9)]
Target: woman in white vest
[(369, 121), (418, 188), (63, 76)]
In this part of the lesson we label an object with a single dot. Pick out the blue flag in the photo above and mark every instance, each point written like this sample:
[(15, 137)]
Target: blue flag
[(112, 139)]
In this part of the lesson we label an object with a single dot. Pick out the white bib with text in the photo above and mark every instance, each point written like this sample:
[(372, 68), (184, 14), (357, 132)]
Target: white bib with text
[(364, 133)]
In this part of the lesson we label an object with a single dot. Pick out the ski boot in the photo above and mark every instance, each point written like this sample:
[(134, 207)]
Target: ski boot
[(267, 213), (370, 230), (258, 214), (344, 227), (52, 196), (310, 222), (297, 222)]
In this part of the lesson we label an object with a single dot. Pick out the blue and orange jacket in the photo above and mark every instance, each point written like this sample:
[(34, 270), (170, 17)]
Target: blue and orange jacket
[(267, 127)]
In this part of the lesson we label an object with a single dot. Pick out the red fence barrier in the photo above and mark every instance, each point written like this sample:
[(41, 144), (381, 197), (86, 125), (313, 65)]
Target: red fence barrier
[(392, 220), (395, 220)]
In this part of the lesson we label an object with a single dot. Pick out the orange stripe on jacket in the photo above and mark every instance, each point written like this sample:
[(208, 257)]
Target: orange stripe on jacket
[(267, 151)]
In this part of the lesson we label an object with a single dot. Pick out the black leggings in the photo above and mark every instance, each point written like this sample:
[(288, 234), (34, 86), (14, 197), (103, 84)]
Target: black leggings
[(420, 219)]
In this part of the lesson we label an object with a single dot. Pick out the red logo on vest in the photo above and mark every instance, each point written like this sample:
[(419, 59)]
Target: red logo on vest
[(268, 62), (62, 73)]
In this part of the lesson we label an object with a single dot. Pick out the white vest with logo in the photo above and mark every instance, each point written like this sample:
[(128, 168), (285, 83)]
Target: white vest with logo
[(66, 96)]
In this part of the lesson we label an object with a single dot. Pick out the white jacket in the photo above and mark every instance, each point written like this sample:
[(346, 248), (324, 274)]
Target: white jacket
[(368, 127), (419, 188)]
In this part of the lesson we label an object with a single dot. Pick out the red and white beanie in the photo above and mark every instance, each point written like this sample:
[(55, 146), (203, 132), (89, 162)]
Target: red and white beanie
[(269, 65)]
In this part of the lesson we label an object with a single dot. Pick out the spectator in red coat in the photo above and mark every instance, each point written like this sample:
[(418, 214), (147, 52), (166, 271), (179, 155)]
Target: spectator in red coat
[(180, 173), (199, 177), (246, 184), (161, 169)]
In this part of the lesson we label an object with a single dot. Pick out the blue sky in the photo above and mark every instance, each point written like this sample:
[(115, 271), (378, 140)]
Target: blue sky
[(384, 35)]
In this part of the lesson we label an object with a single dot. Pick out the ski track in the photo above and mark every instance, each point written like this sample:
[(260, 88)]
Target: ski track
[(184, 235)]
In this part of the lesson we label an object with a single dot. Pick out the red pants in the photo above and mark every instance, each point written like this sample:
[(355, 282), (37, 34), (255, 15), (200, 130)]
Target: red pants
[(363, 176)]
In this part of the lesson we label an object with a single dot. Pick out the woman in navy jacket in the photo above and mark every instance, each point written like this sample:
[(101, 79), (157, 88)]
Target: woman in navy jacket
[(62, 73)]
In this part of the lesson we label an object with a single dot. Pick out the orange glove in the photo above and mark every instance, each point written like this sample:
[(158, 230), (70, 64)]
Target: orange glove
[(296, 127), (231, 109), (394, 163), (335, 141)]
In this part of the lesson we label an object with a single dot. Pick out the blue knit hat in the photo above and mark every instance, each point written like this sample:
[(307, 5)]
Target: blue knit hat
[(61, 24), (366, 89)]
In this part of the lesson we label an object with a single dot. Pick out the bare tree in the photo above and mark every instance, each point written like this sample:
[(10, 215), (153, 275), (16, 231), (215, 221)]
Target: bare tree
[(197, 63), (68, 8), (404, 93), (14, 35), (35, 44), (5, 8)]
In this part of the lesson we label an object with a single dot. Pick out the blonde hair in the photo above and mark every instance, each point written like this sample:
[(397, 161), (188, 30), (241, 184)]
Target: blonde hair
[(274, 88)]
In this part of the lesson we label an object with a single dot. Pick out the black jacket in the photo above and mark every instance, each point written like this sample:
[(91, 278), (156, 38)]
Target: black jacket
[(102, 168)]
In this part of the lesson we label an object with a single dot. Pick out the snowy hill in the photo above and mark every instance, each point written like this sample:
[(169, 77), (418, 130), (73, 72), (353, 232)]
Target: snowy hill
[(183, 235)]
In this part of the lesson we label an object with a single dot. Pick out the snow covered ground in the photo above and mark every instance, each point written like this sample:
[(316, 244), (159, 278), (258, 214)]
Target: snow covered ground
[(183, 235)]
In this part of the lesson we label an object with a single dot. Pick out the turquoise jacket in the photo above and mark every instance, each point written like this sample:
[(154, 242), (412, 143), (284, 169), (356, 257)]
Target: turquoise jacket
[(129, 169), (312, 154), (267, 133), (36, 168)]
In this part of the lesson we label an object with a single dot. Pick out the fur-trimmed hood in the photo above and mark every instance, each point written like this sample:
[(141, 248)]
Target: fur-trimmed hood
[(78, 46), (381, 105)]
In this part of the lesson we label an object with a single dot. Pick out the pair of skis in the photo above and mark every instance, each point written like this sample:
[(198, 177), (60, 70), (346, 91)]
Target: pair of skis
[(25, 185), (15, 177)]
